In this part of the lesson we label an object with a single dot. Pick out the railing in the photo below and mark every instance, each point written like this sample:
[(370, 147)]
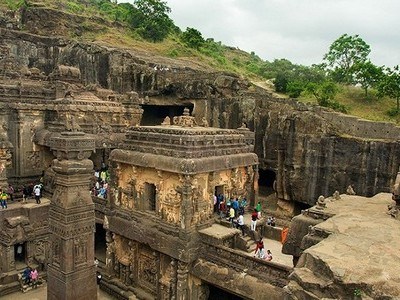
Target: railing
[(271, 272)]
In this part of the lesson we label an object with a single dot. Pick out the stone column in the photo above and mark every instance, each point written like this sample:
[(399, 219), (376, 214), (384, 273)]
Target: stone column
[(182, 281), (5, 161), (71, 271)]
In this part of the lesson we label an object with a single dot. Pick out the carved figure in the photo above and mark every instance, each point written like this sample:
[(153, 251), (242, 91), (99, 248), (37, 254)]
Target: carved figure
[(350, 190), (204, 122), (166, 122), (321, 204), (336, 195)]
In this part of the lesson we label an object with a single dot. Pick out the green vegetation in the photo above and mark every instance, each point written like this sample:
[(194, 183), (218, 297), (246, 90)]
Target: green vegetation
[(346, 80)]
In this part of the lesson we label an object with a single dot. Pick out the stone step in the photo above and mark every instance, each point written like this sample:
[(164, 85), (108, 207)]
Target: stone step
[(250, 244)]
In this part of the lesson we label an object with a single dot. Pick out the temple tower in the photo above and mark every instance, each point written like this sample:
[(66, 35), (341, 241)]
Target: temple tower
[(71, 272)]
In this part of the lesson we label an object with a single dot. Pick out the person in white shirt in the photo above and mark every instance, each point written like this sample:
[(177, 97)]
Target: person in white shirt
[(37, 194), (240, 222)]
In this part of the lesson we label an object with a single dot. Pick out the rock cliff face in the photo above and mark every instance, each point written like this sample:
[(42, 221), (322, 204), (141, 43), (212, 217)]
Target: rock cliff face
[(351, 253), (316, 152), (311, 150)]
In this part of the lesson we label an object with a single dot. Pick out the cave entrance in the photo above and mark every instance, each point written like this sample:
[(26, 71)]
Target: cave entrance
[(100, 245), (299, 206), (155, 114), (220, 294), (266, 180)]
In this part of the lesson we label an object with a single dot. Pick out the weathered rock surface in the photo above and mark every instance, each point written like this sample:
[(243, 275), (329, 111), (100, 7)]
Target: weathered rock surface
[(359, 254), (312, 151)]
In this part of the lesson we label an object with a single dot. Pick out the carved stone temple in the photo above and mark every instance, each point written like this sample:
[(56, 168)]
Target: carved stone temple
[(167, 134), (163, 182)]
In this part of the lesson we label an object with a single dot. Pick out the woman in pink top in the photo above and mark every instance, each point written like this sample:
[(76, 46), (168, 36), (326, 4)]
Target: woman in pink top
[(34, 277)]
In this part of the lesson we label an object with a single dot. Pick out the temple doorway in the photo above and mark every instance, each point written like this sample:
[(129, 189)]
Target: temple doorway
[(100, 245), (220, 294), (20, 255)]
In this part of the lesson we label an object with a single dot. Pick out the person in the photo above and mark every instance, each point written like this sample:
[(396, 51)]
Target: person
[(235, 205), (96, 262), (243, 204), (25, 193), (37, 193), (222, 208), (258, 208), (260, 252), (34, 278), (231, 215), (98, 277), (268, 255), (26, 275), (3, 199), (254, 217), (240, 223), (10, 192)]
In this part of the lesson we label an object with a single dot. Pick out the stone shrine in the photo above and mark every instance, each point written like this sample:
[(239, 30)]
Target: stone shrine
[(163, 181)]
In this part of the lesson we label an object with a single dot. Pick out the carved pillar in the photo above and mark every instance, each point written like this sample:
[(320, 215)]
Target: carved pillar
[(5, 161), (110, 253), (186, 211), (182, 281), (71, 272)]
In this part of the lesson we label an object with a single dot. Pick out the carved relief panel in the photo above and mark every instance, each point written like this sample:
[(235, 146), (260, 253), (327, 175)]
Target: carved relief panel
[(148, 269)]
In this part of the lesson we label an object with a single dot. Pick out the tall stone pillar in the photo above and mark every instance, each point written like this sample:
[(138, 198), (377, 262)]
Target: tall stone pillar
[(71, 272), (182, 281), (5, 161)]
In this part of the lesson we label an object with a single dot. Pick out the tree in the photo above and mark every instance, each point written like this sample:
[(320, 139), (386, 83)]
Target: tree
[(192, 38), (152, 20), (324, 92), (367, 75), (344, 54), (389, 85)]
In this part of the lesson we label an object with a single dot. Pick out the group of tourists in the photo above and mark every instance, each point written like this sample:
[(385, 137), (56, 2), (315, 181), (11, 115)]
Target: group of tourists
[(30, 276), (101, 178), (260, 251), (32, 190), (223, 204), (27, 192)]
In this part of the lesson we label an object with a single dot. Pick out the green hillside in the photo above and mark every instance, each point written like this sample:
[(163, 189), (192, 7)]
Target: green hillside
[(127, 26)]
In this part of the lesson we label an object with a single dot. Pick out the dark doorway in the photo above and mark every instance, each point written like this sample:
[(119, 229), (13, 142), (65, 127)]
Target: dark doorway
[(219, 294), (155, 114), (20, 255), (100, 245), (266, 180), (150, 196), (299, 206), (219, 189)]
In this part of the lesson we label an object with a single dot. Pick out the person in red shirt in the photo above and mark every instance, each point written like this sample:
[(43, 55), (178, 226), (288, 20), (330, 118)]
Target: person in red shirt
[(260, 252), (254, 217)]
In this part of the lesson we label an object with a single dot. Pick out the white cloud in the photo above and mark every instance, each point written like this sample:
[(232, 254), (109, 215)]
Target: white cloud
[(299, 30)]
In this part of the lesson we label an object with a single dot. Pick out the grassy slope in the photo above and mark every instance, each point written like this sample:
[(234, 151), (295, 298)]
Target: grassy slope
[(228, 59)]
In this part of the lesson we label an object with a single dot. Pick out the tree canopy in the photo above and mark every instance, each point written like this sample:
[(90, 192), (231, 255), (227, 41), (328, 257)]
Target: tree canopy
[(344, 55)]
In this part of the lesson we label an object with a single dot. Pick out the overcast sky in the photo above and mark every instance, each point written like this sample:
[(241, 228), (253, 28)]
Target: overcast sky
[(299, 30)]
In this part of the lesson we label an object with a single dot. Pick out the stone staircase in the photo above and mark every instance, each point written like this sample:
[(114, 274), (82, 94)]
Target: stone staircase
[(250, 244)]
